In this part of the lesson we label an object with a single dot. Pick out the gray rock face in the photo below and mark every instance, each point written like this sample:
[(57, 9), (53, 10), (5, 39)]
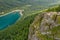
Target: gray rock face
[(42, 23)]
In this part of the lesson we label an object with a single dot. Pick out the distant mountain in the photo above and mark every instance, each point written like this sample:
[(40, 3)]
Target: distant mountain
[(9, 4)]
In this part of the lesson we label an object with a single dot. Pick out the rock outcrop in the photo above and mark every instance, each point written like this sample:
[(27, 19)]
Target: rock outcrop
[(41, 28)]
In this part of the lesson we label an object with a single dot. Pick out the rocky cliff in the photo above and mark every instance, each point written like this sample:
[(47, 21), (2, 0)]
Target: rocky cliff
[(46, 26)]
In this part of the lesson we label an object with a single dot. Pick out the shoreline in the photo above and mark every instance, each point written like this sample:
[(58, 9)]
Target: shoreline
[(20, 12)]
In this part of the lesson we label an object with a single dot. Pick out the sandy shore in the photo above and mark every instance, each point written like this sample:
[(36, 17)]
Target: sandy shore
[(19, 11), (13, 11)]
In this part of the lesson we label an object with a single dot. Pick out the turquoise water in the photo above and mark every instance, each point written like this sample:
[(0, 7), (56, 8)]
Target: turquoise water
[(9, 19)]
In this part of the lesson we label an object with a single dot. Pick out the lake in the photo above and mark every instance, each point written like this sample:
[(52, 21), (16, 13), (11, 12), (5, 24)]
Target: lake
[(9, 19)]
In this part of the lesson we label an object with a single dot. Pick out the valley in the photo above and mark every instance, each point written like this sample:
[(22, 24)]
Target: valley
[(29, 19)]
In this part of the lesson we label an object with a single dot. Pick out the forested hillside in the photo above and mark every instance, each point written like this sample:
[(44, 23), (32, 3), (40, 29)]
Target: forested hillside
[(20, 30), (46, 25), (28, 5), (33, 11)]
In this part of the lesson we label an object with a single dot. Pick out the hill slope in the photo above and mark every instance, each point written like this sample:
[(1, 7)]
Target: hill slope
[(36, 4), (20, 30), (46, 25)]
